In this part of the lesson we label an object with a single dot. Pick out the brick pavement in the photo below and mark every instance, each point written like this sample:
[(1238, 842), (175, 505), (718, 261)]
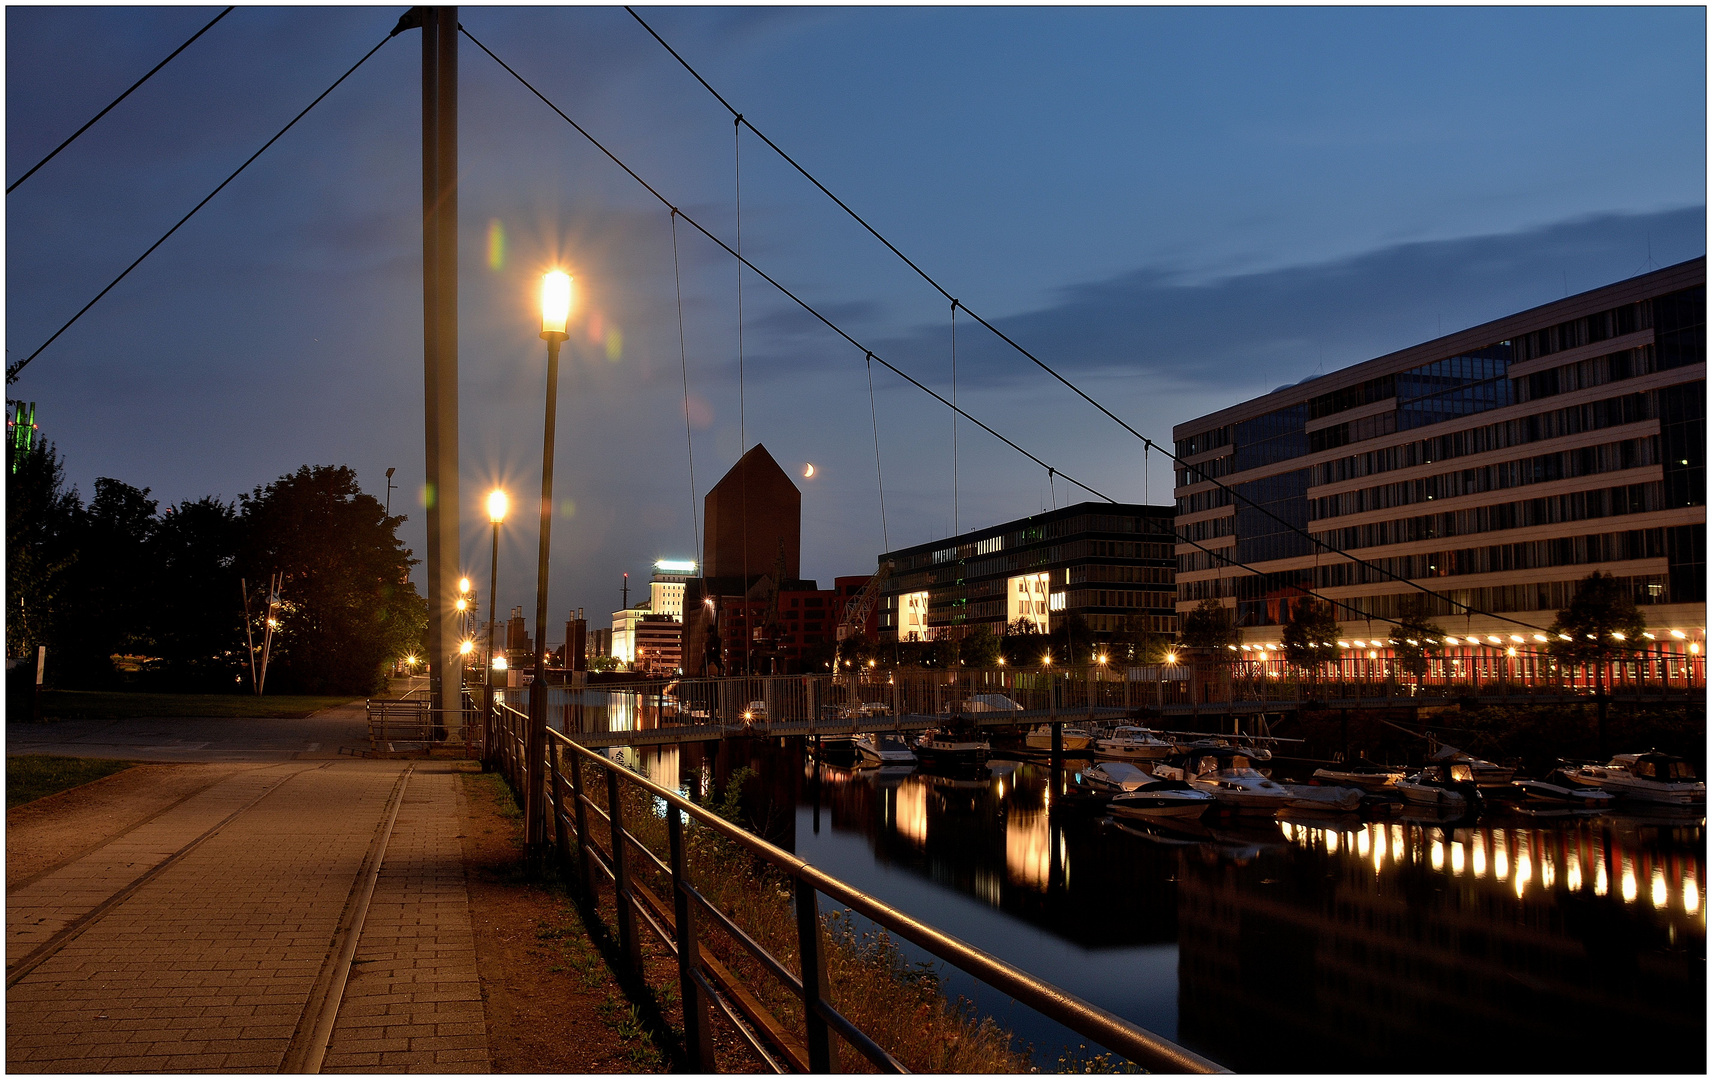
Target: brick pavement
[(210, 965)]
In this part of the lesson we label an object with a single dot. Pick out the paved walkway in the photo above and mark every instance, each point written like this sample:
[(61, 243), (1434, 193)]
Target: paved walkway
[(218, 936)]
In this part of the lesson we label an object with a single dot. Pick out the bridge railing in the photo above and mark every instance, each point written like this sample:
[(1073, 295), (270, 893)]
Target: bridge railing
[(660, 864)]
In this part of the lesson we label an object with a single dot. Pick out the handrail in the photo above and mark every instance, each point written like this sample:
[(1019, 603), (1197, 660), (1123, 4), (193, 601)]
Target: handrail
[(1144, 1047)]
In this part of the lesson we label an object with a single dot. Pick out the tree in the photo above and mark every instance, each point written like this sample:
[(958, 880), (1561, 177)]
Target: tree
[(350, 607), (1417, 638), (1600, 624), (1310, 637), (979, 648), (1209, 626), (105, 607), (196, 610), (41, 519)]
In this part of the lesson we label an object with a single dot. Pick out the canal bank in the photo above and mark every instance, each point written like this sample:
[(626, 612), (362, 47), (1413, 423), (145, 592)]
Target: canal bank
[(1274, 946)]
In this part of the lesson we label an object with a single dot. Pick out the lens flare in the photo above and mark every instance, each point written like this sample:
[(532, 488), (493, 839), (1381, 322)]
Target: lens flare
[(495, 245)]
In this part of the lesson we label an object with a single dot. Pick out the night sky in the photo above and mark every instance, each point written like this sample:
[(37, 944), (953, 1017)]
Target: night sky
[(1180, 208)]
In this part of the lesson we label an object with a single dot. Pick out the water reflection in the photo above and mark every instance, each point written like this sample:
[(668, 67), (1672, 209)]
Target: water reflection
[(1304, 944)]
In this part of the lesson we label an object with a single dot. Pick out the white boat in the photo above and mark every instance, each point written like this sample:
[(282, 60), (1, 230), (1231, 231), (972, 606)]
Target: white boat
[(981, 703), (1362, 774), (1129, 743), (1114, 776), (882, 749), (1075, 738), (1485, 773), (1558, 790), (1430, 787), (1243, 789), (1157, 799), (1324, 797), (1651, 778)]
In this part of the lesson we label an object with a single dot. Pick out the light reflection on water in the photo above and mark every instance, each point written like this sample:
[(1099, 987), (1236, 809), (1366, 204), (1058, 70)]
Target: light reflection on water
[(1298, 945)]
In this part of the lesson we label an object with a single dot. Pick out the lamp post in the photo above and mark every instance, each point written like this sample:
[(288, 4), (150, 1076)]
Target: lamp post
[(497, 505), (555, 317)]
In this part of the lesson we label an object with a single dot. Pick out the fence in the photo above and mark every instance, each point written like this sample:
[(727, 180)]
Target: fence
[(668, 866), (733, 703)]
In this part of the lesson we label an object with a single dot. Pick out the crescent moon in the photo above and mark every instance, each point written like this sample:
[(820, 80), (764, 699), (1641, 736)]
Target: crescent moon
[(808, 471)]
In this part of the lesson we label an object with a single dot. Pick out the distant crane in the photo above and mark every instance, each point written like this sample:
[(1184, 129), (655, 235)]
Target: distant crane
[(861, 605)]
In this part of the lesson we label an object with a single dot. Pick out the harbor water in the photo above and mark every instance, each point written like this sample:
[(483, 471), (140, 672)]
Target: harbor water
[(1516, 944)]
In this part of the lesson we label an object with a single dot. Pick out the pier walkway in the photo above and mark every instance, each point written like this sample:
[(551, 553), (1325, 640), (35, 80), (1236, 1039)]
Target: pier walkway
[(301, 916)]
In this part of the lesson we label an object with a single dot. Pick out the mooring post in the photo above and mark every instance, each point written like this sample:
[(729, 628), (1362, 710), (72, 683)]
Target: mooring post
[(822, 1057), (698, 1032), (628, 946)]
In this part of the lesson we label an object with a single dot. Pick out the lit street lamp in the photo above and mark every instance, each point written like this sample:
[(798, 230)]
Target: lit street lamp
[(497, 505), (555, 318)]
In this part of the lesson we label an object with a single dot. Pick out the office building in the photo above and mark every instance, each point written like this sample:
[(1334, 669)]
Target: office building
[(1497, 466), (649, 637), (1110, 564)]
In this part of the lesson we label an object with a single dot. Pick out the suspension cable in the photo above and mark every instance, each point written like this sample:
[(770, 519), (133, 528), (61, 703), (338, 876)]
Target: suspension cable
[(1052, 472), (73, 138), (1318, 543), (879, 476), (774, 282), (13, 370), (684, 357)]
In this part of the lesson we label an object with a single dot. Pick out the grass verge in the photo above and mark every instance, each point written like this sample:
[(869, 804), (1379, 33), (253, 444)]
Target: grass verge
[(117, 705), (33, 776)]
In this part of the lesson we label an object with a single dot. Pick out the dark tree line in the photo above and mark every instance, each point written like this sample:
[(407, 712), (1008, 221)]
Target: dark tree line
[(119, 577)]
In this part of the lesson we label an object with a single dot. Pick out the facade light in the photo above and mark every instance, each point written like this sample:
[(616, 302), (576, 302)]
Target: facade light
[(1678, 634)]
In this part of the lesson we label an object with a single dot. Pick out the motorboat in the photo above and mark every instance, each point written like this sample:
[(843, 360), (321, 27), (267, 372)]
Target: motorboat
[(1243, 789), (951, 748), (1131, 743), (982, 703), (1075, 738), (1155, 799), (1364, 774), (1557, 790), (1485, 773), (883, 749), (1114, 776), (1651, 777), (1450, 788), (1328, 797)]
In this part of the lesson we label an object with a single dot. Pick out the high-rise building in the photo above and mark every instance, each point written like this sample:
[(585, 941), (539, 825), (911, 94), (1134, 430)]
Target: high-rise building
[(1109, 564), (1497, 466)]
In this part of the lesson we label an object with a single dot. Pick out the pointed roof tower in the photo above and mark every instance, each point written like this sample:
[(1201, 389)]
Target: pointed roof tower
[(752, 515)]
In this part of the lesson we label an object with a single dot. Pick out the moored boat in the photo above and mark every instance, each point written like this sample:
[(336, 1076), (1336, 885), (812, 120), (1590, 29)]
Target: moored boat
[(1075, 738), (1114, 776), (883, 749), (1557, 790), (1363, 774), (1485, 773), (1651, 777), (1131, 743), (952, 748), (1156, 799), (1450, 788)]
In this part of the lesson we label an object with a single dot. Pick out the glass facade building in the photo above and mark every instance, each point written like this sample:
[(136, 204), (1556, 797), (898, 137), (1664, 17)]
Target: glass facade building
[(1497, 466), (1110, 564)]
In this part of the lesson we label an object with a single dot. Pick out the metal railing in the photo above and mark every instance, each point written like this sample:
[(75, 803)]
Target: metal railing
[(765, 703), (601, 832)]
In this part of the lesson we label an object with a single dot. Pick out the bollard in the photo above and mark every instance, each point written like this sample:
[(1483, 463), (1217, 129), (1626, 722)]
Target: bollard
[(698, 1032)]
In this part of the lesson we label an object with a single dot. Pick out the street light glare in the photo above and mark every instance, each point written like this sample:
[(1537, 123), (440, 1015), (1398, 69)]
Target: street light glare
[(463, 584), (555, 303), (463, 605), (497, 505), (466, 647)]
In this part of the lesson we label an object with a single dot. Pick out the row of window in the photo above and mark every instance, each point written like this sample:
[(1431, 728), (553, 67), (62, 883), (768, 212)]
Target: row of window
[(1131, 624), (1209, 529), (1597, 371), (1352, 397), (1206, 440), (1368, 427), (1132, 575), (1571, 420), (1548, 510), (1206, 470), (1562, 465), (1498, 558), (1119, 598), (1541, 596), (1682, 434), (1034, 534), (1615, 322)]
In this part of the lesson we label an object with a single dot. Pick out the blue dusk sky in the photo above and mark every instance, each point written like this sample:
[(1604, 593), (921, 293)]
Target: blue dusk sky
[(1180, 208)]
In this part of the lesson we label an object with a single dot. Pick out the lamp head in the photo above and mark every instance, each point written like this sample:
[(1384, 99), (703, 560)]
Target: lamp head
[(555, 305), (497, 504), (463, 584)]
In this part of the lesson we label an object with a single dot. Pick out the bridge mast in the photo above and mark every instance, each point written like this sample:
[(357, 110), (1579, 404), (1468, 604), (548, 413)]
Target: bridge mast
[(440, 344)]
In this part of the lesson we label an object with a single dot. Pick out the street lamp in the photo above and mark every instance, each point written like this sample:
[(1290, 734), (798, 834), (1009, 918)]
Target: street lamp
[(555, 319), (497, 505)]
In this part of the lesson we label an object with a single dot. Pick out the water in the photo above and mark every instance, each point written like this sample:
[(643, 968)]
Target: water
[(1519, 945)]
